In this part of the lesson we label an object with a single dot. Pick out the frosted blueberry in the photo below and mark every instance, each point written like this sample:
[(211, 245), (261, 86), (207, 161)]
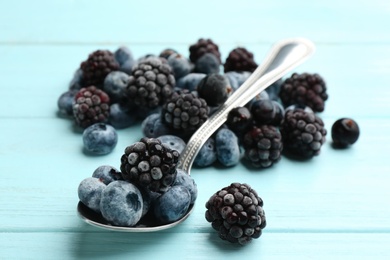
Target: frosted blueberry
[(120, 117), (76, 82), (237, 78), (121, 204), (125, 59), (184, 179), (89, 191), (107, 174), (207, 154), (65, 102), (180, 65), (227, 147), (100, 138), (190, 81), (173, 142), (153, 127), (115, 85), (207, 64), (172, 205)]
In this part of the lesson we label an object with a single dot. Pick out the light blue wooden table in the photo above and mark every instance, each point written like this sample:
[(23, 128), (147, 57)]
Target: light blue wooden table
[(336, 206)]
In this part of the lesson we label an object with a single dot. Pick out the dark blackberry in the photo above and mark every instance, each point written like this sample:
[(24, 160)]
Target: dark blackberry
[(263, 146), (303, 133), (92, 105), (239, 120), (345, 131), (236, 213), (304, 89), (266, 111), (203, 46), (215, 89), (149, 164), (150, 84), (240, 59), (97, 66), (184, 113)]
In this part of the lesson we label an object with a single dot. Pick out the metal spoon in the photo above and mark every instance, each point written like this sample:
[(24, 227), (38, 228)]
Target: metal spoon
[(283, 57)]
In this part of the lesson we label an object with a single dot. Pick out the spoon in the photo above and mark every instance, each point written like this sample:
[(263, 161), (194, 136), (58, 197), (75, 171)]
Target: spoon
[(282, 58)]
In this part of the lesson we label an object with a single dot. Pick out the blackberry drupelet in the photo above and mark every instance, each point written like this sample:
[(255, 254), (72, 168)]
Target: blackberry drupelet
[(184, 112), (304, 89), (263, 146), (97, 66), (240, 59), (150, 84), (92, 105), (149, 164), (203, 46), (303, 133), (236, 213)]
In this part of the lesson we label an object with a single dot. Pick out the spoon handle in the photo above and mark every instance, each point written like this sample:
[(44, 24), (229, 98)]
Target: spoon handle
[(283, 57)]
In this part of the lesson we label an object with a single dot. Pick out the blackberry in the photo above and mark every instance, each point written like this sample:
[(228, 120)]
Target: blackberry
[(345, 131), (184, 112), (236, 213), (215, 89), (149, 164), (203, 46), (150, 84), (97, 66), (240, 59), (304, 89), (263, 146), (92, 105), (303, 133), (239, 120)]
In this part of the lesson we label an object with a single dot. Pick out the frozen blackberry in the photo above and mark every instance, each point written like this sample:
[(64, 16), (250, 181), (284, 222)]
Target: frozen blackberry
[(149, 164), (203, 46), (150, 84), (239, 120), (236, 213), (184, 112), (345, 131), (97, 66), (303, 133), (215, 89), (304, 89), (240, 59), (263, 146), (92, 105)]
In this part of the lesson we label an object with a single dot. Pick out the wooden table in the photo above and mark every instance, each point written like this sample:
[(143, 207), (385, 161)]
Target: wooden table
[(336, 205)]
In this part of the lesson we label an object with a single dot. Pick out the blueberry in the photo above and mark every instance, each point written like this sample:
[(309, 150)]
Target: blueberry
[(273, 90), (237, 78), (76, 82), (184, 179), (115, 85), (100, 138), (190, 81), (239, 120), (180, 65), (107, 174), (215, 89), (153, 127), (207, 154), (279, 114), (121, 204), (173, 142), (125, 59), (89, 191), (207, 64), (305, 108), (120, 116), (263, 111), (172, 205), (65, 102), (167, 52), (227, 147), (146, 200), (345, 132)]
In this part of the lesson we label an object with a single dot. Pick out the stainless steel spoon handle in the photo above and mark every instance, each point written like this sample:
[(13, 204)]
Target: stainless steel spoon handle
[(283, 57)]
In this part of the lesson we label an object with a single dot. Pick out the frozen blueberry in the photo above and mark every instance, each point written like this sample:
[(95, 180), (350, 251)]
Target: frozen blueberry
[(190, 81), (143, 112), (107, 174), (227, 147), (89, 191), (215, 89), (65, 102), (273, 90), (173, 142), (237, 78), (121, 203), (207, 64), (125, 59), (167, 52), (184, 179), (100, 138), (120, 116), (76, 82), (115, 85), (146, 200), (172, 205), (180, 65), (207, 154), (153, 127), (345, 132)]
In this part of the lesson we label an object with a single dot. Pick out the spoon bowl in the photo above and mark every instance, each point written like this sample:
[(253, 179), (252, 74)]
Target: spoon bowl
[(283, 57)]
